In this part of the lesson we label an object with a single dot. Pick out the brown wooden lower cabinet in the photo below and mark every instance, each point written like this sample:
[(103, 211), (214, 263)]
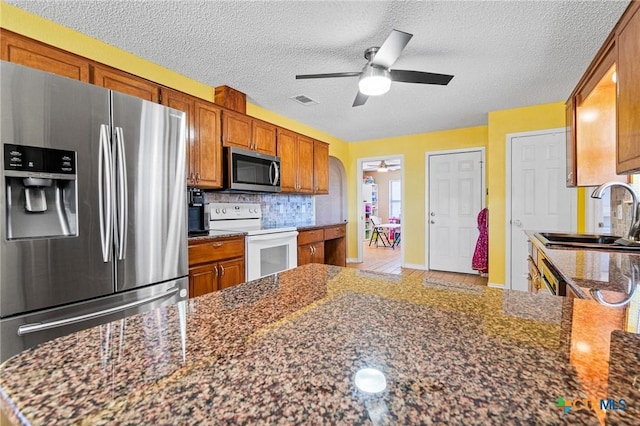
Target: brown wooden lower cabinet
[(215, 265), (323, 245)]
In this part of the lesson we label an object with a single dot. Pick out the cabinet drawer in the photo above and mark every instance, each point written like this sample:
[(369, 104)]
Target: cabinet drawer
[(334, 232), (215, 250), (307, 237)]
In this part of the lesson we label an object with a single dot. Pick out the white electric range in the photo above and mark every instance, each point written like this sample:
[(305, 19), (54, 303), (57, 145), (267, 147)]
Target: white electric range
[(268, 250)]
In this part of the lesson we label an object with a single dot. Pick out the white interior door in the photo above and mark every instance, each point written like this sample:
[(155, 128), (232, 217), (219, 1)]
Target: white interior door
[(455, 199), (540, 199)]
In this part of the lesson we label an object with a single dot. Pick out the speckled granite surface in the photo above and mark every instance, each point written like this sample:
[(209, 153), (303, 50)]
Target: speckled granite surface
[(592, 269), (285, 349), (319, 224), (213, 234)]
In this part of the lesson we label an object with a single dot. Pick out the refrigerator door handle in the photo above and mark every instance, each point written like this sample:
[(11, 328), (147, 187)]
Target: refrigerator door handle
[(123, 196), (105, 188), (40, 326)]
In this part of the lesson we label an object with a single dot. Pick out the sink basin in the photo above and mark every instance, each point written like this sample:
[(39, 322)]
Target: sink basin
[(587, 241)]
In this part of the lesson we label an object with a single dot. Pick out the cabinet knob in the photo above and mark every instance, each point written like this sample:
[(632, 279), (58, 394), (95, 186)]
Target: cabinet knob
[(221, 270), (215, 268), (217, 244)]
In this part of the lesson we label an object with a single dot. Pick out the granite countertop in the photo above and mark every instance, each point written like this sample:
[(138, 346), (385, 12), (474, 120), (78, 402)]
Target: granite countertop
[(583, 270), (287, 349), (214, 234), (318, 224)]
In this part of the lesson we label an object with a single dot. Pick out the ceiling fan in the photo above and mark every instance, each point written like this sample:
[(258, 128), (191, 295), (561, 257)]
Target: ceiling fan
[(381, 166), (376, 76)]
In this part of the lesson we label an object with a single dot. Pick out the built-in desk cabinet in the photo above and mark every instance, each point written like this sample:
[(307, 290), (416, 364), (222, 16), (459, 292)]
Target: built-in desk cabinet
[(215, 264), (323, 245)]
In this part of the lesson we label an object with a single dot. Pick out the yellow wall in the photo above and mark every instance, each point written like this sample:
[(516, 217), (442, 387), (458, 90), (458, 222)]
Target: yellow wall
[(501, 123), (413, 148)]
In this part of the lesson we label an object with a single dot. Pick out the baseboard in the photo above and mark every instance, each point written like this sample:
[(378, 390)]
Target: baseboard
[(415, 266), (352, 260), (494, 285)]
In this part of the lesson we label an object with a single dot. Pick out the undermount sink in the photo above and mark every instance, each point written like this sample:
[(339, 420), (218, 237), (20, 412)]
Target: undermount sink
[(587, 241)]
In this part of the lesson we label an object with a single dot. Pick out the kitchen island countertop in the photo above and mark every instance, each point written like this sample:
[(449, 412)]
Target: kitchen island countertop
[(287, 349), (583, 270)]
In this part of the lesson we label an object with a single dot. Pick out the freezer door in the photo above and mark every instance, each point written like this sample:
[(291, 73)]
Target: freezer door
[(151, 198), (43, 110)]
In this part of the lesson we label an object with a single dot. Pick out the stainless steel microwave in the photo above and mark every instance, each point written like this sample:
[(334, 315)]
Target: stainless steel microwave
[(251, 171)]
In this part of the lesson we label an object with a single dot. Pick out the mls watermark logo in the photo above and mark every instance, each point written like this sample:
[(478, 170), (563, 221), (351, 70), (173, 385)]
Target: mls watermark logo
[(591, 404)]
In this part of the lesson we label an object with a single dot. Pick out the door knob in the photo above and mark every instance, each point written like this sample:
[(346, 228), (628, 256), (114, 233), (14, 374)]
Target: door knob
[(433, 214), (432, 221), (517, 223)]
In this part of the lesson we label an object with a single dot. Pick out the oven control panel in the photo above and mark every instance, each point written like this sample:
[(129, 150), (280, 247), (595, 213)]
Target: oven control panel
[(231, 211)]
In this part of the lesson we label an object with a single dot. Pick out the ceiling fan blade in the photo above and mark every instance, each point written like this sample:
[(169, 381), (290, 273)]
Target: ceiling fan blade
[(360, 99), (391, 48), (330, 75), (405, 76)]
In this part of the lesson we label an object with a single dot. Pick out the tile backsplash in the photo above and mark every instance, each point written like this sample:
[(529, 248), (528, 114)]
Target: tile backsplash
[(621, 211), (277, 209)]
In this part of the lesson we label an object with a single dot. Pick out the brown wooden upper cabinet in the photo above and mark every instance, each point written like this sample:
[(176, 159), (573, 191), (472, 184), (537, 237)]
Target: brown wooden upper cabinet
[(31, 53), (246, 132), (123, 82), (296, 162), (204, 150), (320, 167), (628, 76), (603, 112)]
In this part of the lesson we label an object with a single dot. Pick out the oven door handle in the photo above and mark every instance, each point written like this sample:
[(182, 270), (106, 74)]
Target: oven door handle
[(273, 237)]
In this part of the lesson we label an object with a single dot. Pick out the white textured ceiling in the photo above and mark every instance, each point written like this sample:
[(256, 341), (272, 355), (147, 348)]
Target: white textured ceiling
[(503, 54)]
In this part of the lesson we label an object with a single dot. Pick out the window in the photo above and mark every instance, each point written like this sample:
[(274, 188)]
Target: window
[(395, 198)]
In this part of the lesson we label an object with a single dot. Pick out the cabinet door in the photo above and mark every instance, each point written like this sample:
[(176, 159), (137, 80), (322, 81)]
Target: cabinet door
[(236, 130), (231, 273), (203, 279), (628, 76), (123, 82), (184, 102), (264, 137), (30, 53), (570, 117), (287, 151), (318, 252), (305, 165), (595, 121), (208, 148), (305, 254), (320, 167)]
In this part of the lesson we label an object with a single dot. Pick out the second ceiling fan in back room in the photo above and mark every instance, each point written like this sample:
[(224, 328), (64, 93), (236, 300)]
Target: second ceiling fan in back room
[(376, 76)]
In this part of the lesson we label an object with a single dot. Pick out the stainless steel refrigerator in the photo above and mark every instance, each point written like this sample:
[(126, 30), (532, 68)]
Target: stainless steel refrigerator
[(92, 206)]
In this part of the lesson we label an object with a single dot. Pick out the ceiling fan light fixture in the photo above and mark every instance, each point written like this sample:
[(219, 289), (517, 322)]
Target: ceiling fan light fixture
[(382, 168), (374, 81)]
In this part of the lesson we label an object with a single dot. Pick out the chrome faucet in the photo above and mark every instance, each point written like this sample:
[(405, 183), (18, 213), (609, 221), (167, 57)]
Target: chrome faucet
[(634, 230)]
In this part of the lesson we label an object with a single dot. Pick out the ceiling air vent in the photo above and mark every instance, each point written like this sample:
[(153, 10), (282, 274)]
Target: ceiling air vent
[(304, 100)]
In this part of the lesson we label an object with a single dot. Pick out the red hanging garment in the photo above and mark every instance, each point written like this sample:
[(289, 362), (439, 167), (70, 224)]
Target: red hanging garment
[(480, 261)]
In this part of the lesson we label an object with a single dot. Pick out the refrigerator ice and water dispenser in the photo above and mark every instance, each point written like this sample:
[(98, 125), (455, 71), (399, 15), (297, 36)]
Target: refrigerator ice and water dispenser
[(41, 192)]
